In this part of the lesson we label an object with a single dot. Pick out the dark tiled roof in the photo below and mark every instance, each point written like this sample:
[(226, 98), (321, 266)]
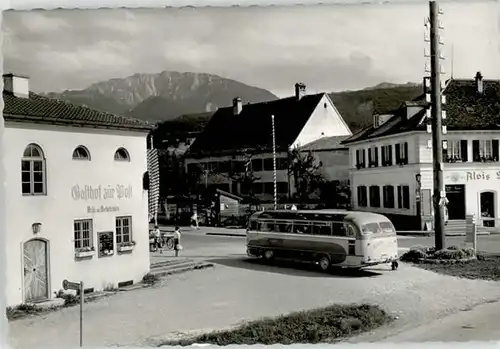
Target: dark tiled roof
[(37, 108), (325, 143), (252, 128), (466, 109)]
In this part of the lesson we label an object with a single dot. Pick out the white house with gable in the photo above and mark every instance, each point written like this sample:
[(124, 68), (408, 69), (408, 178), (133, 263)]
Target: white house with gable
[(77, 209), (240, 138)]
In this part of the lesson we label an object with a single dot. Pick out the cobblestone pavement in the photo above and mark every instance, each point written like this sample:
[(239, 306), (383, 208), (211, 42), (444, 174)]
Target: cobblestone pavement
[(237, 290)]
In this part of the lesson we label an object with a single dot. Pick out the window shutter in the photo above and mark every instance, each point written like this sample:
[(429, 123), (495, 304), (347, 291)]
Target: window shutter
[(376, 156), (475, 150), (398, 153), (400, 198), (370, 156), (494, 143), (384, 160), (406, 153), (357, 158), (463, 150), (390, 155), (363, 161)]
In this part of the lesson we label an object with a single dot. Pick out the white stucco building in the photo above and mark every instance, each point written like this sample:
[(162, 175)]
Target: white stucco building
[(240, 137), (391, 161), (76, 208)]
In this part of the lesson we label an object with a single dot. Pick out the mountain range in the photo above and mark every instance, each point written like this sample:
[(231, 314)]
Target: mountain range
[(163, 96), (185, 101)]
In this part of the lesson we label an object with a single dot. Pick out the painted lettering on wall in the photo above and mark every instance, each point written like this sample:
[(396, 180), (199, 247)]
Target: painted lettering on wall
[(100, 192), (99, 209), (481, 176)]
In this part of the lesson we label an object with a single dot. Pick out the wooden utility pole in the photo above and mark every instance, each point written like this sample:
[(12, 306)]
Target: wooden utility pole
[(437, 144)]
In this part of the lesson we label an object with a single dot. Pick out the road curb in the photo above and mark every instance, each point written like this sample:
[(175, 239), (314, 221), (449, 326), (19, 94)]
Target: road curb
[(227, 234)]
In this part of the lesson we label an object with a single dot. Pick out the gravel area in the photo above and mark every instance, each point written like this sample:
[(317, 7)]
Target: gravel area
[(236, 290)]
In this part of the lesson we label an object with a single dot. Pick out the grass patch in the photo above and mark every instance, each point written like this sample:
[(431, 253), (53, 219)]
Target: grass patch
[(313, 326), (455, 261)]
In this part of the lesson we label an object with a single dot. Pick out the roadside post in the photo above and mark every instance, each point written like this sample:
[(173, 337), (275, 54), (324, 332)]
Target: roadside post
[(77, 286), (471, 231)]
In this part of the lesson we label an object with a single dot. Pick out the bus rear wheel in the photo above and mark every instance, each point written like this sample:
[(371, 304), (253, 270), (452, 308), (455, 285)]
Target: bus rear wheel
[(268, 255), (324, 263)]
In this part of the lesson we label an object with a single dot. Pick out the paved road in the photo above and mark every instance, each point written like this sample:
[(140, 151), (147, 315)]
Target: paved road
[(198, 245), (237, 290)]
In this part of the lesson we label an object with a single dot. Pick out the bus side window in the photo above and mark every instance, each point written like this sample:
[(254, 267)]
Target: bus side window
[(253, 225), (339, 229), (300, 228)]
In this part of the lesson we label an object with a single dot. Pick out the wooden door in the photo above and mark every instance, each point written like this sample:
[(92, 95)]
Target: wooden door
[(35, 271)]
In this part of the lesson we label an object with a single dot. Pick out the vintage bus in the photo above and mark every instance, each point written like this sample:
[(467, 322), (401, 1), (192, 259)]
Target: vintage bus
[(342, 238)]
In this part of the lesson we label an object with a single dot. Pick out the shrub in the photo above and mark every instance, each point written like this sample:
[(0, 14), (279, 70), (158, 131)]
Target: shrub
[(313, 326), (417, 253), (22, 310), (150, 279)]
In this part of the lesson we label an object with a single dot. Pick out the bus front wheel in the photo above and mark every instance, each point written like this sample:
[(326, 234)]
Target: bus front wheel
[(324, 263)]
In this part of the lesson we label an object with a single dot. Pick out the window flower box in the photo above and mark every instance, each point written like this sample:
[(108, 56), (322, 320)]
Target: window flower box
[(84, 252), (126, 246)]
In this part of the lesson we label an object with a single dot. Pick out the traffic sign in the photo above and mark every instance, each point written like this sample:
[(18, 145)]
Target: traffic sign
[(71, 285)]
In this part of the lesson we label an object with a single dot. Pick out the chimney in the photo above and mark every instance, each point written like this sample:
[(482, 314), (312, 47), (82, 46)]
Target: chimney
[(18, 85), (237, 106), (300, 90), (479, 82)]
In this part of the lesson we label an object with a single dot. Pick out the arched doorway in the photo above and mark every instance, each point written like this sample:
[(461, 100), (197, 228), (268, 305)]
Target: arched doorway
[(36, 285), (487, 202)]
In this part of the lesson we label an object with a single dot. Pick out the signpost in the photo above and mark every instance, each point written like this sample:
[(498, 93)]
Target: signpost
[(77, 286)]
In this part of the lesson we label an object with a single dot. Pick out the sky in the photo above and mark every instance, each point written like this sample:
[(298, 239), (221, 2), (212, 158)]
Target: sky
[(328, 47)]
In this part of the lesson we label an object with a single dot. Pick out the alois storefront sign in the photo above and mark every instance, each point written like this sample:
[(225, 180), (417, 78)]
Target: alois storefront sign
[(472, 176), (99, 193)]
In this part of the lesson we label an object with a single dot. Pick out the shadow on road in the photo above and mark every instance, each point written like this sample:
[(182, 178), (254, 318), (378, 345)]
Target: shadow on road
[(290, 268)]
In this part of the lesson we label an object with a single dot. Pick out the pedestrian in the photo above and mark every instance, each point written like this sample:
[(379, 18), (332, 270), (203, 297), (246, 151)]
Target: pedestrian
[(157, 235), (177, 241), (194, 220)]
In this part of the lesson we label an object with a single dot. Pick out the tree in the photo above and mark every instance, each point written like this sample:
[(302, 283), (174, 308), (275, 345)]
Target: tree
[(304, 169)]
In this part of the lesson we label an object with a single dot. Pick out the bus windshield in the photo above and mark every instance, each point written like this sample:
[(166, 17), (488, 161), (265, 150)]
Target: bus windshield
[(378, 228)]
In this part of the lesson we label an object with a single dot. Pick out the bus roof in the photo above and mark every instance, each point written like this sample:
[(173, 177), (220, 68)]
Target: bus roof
[(359, 216)]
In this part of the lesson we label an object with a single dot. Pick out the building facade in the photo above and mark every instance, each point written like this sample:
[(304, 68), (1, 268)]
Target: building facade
[(391, 161), (77, 208), (239, 139)]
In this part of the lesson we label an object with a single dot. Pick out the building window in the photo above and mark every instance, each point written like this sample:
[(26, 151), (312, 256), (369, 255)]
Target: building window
[(388, 196), (387, 155), (123, 230), (82, 233), (362, 196), (373, 157), (81, 153), (404, 197), (455, 151), (122, 155), (282, 187), (374, 196), (33, 178), (485, 150), (360, 158), (402, 153), (281, 164), (268, 188), (257, 165), (257, 188), (268, 164)]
